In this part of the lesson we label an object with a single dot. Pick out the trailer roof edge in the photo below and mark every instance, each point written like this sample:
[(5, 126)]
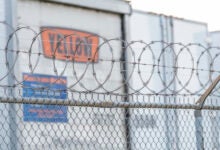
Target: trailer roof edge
[(178, 18), (113, 6)]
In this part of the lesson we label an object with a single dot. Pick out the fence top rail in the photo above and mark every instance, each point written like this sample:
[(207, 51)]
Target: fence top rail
[(106, 104)]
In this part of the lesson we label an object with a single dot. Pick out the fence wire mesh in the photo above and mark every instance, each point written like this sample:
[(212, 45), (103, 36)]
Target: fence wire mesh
[(67, 93), (108, 128)]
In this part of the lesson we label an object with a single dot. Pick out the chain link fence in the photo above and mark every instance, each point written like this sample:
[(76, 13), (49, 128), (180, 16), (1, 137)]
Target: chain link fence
[(121, 95), (110, 128)]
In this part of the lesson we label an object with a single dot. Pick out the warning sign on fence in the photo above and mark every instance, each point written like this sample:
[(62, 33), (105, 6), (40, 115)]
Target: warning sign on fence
[(48, 87)]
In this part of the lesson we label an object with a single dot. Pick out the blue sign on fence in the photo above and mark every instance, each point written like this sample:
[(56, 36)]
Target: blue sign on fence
[(48, 87)]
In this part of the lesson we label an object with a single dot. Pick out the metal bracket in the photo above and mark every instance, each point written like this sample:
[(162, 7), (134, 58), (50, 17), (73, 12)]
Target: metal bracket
[(202, 99)]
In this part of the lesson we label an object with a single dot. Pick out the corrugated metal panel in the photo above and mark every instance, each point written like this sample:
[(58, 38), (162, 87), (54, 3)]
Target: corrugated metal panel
[(146, 28), (190, 32), (152, 27)]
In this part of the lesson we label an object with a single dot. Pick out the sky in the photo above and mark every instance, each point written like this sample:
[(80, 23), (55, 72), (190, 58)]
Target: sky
[(207, 11)]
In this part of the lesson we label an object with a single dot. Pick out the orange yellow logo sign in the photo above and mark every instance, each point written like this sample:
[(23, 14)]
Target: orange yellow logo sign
[(68, 44)]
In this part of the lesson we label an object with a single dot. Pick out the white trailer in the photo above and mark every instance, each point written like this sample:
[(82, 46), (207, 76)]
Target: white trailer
[(80, 128), (170, 128)]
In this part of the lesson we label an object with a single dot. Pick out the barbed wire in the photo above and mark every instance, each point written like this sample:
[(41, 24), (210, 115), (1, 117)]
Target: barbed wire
[(153, 68), (90, 96)]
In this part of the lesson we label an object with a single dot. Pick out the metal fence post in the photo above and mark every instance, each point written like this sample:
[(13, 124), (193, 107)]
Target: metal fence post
[(199, 130), (10, 20), (198, 114), (124, 30), (215, 130)]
